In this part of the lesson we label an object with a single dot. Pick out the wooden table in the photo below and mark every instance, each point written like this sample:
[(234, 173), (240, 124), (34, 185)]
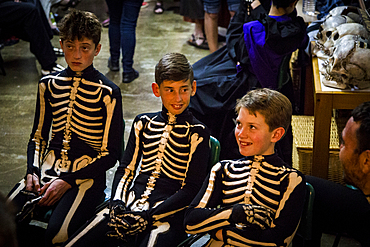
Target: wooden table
[(325, 100)]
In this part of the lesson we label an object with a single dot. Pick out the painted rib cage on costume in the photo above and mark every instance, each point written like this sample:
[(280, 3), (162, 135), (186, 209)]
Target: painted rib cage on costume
[(172, 147), (80, 131), (71, 140), (260, 181)]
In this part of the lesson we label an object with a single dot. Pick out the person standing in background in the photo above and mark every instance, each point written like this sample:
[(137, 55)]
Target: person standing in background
[(212, 8), (122, 36)]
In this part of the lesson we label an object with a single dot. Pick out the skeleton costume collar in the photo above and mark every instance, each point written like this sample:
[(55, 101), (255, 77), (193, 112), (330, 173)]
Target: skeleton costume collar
[(177, 118), (89, 73)]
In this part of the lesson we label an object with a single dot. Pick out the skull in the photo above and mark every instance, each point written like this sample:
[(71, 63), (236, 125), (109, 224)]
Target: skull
[(350, 11), (333, 35), (325, 32), (349, 66)]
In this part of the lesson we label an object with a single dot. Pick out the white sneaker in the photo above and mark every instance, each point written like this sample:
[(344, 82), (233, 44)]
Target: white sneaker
[(56, 68)]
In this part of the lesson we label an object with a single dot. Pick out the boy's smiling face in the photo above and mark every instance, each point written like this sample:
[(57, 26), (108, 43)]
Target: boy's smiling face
[(175, 95), (253, 134), (79, 54)]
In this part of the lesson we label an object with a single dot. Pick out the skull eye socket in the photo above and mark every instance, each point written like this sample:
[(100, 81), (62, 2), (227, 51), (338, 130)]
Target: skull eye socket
[(336, 36), (328, 34)]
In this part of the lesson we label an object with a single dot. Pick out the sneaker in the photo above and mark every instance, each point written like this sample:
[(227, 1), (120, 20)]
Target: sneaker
[(129, 77), (56, 68), (144, 5), (113, 65)]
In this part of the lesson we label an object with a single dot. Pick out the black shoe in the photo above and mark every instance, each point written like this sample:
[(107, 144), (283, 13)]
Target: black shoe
[(113, 65), (129, 77)]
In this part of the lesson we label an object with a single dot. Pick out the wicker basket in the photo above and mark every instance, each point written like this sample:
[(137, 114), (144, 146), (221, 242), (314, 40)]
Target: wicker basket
[(302, 127)]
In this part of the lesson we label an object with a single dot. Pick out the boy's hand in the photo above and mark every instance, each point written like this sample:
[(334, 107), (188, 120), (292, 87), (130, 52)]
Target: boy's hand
[(128, 222), (247, 214), (32, 183), (138, 221), (53, 191)]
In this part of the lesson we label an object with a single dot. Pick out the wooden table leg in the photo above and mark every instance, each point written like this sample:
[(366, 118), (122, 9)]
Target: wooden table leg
[(321, 139)]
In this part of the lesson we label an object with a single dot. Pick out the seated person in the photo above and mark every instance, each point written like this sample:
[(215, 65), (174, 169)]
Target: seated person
[(338, 208), (25, 21), (66, 169), (256, 200), (148, 202), (256, 44)]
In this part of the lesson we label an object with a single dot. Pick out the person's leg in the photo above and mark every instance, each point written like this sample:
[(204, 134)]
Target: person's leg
[(163, 234), (73, 210), (130, 13), (233, 6), (198, 38), (211, 8), (42, 14), (23, 20), (199, 27), (115, 13), (94, 233)]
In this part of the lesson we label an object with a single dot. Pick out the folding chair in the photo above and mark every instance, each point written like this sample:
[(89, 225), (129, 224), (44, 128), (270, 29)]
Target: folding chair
[(304, 232), (214, 157)]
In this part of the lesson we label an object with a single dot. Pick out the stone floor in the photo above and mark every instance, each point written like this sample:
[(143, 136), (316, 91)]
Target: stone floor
[(156, 35)]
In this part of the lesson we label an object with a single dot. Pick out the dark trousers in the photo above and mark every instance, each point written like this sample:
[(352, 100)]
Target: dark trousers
[(74, 208), (24, 21), (123, 16)]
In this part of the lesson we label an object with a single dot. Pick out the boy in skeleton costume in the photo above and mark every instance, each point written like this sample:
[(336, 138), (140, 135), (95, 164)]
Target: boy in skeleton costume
[(261, 198), (83, 110), (173, 148)]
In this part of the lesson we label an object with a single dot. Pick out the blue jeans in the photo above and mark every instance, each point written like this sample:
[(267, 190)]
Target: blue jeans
[(123, 16), (213, 6)]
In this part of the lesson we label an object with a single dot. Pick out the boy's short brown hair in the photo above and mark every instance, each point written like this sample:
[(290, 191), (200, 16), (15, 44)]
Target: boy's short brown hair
[(78, 24), (174, 67), (274, 106)]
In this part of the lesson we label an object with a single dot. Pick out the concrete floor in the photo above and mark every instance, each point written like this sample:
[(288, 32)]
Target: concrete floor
[(156, 35)]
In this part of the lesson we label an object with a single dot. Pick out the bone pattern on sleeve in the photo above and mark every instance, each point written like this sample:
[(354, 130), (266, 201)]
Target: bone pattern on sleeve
[(274, 186), (83, 112), (173, 150)]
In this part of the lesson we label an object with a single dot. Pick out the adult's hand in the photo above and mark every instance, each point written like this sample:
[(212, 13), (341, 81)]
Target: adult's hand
[(53, 191), (33, 183)]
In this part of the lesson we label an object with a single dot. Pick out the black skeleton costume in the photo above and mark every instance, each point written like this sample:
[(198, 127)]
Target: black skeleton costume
[(256, 201), (83, 111), (148, 202)]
